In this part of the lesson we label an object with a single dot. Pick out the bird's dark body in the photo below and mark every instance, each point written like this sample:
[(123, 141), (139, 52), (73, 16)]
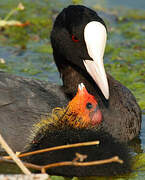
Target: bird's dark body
[(121, 113), (107, 148), (23, 102)]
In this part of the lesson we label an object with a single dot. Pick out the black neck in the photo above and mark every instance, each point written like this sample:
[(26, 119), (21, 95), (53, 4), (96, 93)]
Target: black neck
[(72, 76)]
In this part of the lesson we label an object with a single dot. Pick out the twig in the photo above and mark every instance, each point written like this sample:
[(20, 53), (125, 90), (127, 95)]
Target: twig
[(91, 163), (56, 148), (19, 7), (68, 163), (14, 157), (80, 157), (28, 165), (74, 162), (4, 23)]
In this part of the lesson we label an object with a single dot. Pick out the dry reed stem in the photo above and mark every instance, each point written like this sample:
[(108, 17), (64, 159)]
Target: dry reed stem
[(13, 156), (56, 148), (91, 163), (74, 162), (68, 163)]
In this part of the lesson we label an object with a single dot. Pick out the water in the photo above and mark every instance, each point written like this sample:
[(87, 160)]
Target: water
[(32, 56), (142, 134), (140, 4)]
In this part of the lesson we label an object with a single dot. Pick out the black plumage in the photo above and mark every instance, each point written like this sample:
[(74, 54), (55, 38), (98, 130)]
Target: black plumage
[(122, 114)]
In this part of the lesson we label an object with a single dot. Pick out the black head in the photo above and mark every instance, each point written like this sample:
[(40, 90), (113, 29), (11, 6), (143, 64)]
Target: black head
[(70, 43), (67, 36)]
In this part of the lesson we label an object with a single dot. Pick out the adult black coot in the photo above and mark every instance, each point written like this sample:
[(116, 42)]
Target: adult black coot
[(78, 40)]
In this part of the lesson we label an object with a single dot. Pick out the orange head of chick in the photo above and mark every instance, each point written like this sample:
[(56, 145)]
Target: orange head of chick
[(82, 111)]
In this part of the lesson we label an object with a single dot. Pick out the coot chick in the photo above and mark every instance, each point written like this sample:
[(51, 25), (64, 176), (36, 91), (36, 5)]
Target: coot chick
[(77, 123)]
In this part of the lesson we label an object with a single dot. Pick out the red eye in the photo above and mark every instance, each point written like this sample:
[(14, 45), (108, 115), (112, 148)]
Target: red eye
[(74, 39)]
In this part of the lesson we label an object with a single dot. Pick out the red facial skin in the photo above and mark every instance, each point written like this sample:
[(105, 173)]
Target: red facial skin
[(85, 109)]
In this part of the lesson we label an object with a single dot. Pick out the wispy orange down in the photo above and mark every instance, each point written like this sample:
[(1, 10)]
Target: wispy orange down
[(82, 110)]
